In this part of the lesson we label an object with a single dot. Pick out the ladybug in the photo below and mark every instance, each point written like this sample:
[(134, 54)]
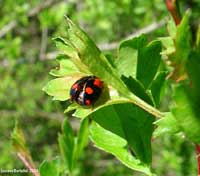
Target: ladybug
[(86, 90)]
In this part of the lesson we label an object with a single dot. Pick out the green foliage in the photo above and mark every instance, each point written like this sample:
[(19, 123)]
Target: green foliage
[(83, 53), (118, 125), (117, 146), (126, 125), (71, 147), (58, 88), (157, 86), (137, 88), (128, 51), (138, 84), (20, 146), (82, 138), (50, 168), (148, 63), (182, 59), (167, 125), (66, 67), (178, 53), (193, 67), (186, 108), (50, 17), (19, 142), (66, 142)]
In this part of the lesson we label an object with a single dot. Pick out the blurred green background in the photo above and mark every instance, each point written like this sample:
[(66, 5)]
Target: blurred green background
[(27, 54)]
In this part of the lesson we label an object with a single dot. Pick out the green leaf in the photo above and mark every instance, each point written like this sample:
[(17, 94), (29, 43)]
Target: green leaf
[(127, 59), (66, 67), (59, 88), (82, 138), (66, 48), (66, 144), (18, 138), (193, 70), (182, 45), (198, 38), (168, 45), (19, 143), (166, 125), (82, 112), (129, 122), (156, 87), (117, 146), (111, 59), (148, 62), (48, 168), (171, 27), (137, 88), (186, 113), (183, 40), (71, 147), (92, 57)]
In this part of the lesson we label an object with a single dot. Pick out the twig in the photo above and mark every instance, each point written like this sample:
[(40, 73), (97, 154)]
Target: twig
[(173, 9), (7, 28), (28, 165), (198, 157), (148, 29), (51, 55), (43, 46), (43, 5)]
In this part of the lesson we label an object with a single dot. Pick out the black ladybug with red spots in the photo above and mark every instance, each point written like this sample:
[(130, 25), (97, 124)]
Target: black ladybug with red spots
[(86, 90)]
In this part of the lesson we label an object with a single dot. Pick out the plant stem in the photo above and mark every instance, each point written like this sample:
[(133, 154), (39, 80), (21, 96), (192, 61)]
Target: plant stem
[(198, 157), (173, 9), (28, 165), (150, 109)]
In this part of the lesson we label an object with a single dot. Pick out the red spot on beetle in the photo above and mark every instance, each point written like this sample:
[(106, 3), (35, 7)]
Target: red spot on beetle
[(87, 102), (98, 83), (75, 86), (89, 90)]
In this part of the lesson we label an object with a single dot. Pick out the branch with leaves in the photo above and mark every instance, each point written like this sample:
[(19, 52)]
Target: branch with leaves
[(133, 84), (127, 114), (181, 71)]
